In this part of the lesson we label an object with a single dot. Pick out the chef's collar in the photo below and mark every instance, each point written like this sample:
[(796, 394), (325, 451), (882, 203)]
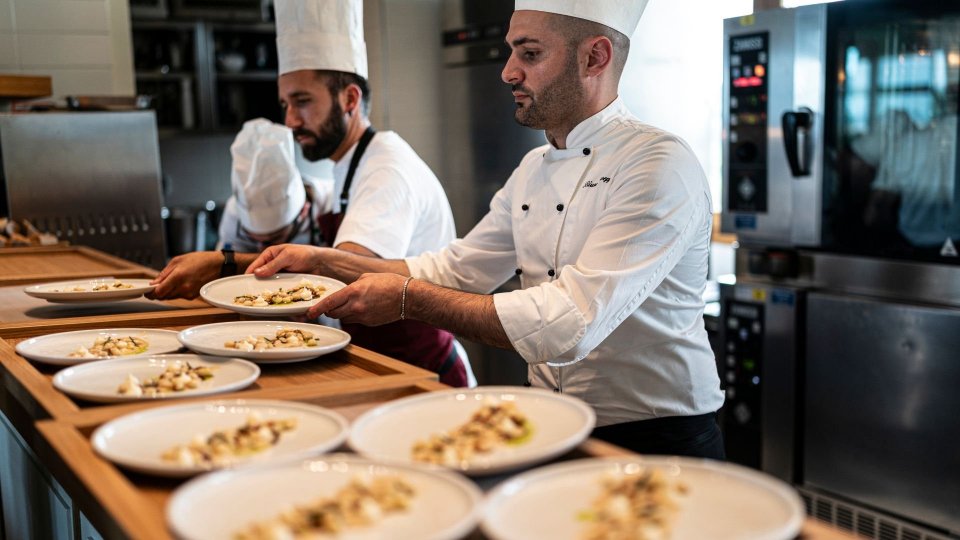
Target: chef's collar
[(588, 133)]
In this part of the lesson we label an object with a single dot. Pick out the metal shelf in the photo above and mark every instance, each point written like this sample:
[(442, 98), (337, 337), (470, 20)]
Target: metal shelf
[(247, 76)]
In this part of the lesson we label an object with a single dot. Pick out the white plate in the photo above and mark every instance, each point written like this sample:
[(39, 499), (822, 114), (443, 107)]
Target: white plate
[(59, 291), (222, 292), (209, 339), (136, 441), (217, 505), (388, 433), (55, 348), (724, 501), (98, 381)]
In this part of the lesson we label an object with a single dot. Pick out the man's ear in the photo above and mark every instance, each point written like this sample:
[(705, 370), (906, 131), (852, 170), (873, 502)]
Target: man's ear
[(599, 55), (352, 96)]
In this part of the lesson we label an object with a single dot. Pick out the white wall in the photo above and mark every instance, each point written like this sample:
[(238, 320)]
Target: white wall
[(674, 74), (84, 45)]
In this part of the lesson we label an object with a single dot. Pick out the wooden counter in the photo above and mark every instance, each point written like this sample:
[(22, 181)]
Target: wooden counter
[(123, 504), (25, 265)]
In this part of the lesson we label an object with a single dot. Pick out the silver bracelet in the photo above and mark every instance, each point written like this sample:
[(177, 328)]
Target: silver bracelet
[(403, 299)]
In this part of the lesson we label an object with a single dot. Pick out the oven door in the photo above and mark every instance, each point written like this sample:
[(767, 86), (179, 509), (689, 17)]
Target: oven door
[(882, 428), (773, 124)]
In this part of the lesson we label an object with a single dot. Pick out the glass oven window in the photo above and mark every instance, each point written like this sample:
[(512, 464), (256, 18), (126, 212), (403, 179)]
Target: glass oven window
[(892, 187)]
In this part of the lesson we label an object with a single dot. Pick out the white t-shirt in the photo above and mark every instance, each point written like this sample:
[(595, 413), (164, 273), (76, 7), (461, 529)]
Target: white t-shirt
[(611, 237), (397, 207)]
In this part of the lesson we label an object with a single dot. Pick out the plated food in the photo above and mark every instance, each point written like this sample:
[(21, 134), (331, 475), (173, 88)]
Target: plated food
[(187, 439), (280, 294), (225, 446), (265, 341), (643, 498), (108, 346), (456, 429), (176, 377), (90, 290), (301, 292), (360, 503), (494, 424), (638, 506), (418, 502), (77, 347), (284, 338), (165, 376)]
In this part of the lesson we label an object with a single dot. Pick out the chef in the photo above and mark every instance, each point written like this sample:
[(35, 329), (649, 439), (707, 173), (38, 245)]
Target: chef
[(386, 202), (608, 228), (271, 203)]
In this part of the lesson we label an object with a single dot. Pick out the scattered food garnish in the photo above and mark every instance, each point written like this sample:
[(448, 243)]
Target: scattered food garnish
[(177, 377), (223, 447), (287, 337), (358, 504), (109, 346), (634, 507), (303, 292), (495, 424)]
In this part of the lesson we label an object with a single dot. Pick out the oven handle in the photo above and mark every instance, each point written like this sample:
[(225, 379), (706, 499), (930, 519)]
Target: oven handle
[(798, 140)]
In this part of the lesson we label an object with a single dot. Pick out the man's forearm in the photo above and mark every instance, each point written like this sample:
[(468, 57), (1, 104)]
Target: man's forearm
[(347, 266), (472, 316)]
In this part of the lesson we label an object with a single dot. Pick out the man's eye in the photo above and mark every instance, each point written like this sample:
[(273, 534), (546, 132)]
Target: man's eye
[(530, 55), (302, 102)]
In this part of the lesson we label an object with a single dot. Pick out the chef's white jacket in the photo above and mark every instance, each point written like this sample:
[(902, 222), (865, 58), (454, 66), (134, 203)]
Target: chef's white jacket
[(397, 207), (611, 238)]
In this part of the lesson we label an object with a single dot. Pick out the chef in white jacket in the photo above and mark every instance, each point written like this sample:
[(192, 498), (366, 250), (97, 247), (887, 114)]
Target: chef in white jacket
[(608, 227)]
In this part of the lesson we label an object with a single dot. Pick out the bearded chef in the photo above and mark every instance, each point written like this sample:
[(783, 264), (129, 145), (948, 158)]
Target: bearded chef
[(386, 202), (608, 227)]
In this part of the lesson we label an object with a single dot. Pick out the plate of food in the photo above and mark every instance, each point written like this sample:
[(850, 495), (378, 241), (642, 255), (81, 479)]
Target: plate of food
[(90, 290), (659, 497), (341, 496), (188, 439), (481, 431), (265, 341), (163, 376), (280, 294), (81, 346)]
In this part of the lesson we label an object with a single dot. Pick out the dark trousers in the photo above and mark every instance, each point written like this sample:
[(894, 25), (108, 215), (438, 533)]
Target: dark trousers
[(694, 436)]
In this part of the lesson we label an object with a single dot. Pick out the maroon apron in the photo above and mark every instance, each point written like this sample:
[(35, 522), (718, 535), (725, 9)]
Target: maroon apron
[(413, 342)]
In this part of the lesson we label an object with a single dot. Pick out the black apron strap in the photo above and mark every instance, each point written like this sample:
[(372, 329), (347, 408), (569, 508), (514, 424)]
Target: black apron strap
[(354, 161)]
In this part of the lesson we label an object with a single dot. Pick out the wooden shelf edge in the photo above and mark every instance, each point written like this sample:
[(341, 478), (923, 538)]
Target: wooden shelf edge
[(25, 86)]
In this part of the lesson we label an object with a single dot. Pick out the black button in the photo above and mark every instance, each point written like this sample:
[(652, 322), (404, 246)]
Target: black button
[(527, 384), (525, 207), (557, 390), (551, 273), (519, 271), (560, 207), (586, 151)]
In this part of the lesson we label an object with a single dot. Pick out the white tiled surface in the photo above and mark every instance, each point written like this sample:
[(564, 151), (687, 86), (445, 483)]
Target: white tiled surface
[(75, 16), (84, 45), (64, 50)]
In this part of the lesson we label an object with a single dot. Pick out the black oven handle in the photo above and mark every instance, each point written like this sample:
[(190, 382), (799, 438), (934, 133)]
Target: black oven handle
[(798, 140)]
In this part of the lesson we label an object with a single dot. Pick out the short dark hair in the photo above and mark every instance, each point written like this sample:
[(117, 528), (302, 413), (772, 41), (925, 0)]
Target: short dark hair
[(338, 80), (575, 30)]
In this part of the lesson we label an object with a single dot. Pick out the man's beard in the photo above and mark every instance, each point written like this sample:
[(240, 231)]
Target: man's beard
[(326, 142), (554, 102)]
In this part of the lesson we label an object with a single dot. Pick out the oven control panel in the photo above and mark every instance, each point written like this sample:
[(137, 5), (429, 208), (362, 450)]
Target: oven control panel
[(747, 129), (740, 377)]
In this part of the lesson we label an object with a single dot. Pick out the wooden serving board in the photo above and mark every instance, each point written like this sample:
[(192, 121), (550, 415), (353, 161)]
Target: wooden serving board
[(26, 265), (121, 504)]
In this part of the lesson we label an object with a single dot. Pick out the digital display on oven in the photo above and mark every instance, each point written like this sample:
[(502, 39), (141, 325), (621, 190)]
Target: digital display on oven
[(749, 67)]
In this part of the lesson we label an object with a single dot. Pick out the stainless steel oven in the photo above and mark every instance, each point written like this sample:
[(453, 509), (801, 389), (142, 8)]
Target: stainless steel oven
[(840, 335)]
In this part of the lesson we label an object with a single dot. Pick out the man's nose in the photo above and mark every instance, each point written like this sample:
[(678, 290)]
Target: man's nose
[(291, 118), (511, 74)]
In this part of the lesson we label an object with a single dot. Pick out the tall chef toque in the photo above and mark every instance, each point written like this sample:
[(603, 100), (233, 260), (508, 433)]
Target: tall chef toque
[(321, 34), (621, 15), (265, 181)]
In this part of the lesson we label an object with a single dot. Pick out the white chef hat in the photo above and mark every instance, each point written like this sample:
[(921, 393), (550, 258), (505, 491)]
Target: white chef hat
[(621, 15), (321, 34), (264, 177)]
